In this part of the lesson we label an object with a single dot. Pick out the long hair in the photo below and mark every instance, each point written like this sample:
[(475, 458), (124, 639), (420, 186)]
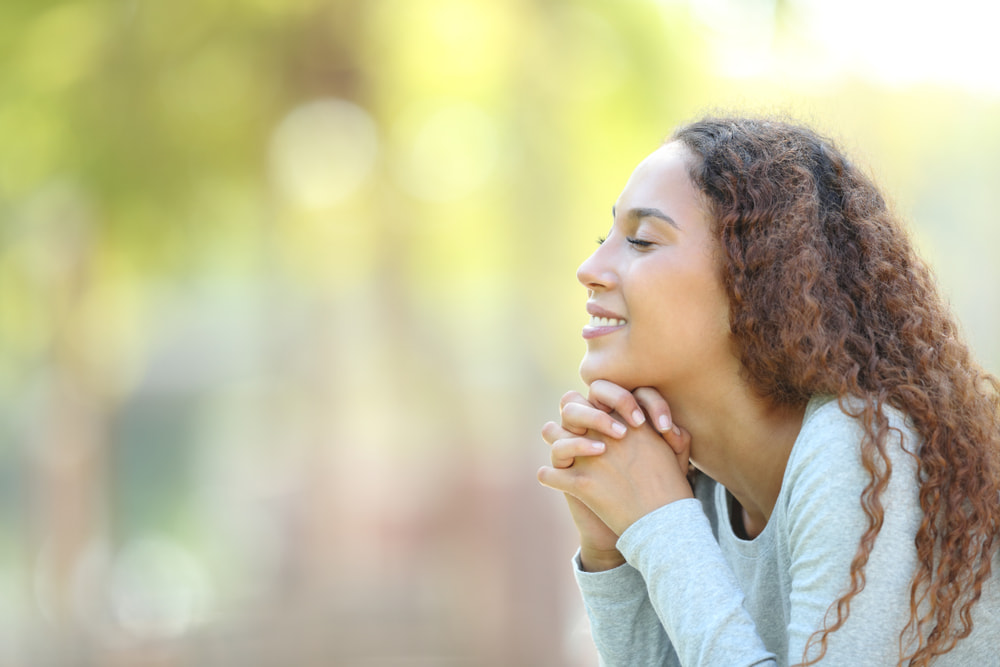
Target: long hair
[(827, 296)]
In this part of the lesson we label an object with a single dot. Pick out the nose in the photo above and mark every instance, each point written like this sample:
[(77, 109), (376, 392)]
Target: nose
[(597, 271)]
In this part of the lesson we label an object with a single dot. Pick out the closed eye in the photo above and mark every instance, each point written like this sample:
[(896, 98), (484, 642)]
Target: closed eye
[(639, 243), (601, 240)]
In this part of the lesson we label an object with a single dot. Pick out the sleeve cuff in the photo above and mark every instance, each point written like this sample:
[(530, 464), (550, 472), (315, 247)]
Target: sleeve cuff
[(623, 581)]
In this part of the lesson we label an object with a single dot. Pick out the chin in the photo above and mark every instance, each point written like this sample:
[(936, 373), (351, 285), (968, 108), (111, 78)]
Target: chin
[(591, 371)]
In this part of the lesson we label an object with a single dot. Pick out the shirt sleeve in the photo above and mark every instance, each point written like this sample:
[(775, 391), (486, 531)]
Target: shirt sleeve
[(623, 623), (700, 603), (691, 587)]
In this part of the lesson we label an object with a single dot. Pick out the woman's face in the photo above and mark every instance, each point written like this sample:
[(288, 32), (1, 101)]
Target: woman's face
[(655, 279)]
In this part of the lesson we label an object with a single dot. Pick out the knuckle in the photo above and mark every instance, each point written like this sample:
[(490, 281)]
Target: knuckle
[(558, 450), (649, 394), (570, 409), (607, 389), (582, 484), (576, 415), (568, 398), (650, 398), (550, 431), (623, 398), (569, 414), (624, 402), (607, 393)]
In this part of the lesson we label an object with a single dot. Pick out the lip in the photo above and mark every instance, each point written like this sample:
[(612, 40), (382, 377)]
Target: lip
[(591, 331), (597, 311)]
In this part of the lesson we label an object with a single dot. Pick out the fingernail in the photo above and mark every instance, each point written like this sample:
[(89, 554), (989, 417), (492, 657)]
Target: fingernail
[(618, 429), (638, 417), (677, 431), (598, 446), (664, 422)]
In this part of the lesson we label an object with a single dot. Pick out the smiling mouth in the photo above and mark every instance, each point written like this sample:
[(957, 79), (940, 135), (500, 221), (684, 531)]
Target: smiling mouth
[(606, 322)]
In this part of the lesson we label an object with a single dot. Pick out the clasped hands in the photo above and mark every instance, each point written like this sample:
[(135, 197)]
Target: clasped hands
[(617, 455)]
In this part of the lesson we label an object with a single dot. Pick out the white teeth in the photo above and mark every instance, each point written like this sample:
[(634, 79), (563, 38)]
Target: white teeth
[(606, 322)]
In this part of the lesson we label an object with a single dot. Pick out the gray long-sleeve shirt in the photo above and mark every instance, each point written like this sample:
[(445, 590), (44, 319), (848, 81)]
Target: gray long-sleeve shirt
[(693, 593)]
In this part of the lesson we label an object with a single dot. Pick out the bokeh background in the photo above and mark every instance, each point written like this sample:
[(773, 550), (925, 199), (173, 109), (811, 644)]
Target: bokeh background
[(287, 290)]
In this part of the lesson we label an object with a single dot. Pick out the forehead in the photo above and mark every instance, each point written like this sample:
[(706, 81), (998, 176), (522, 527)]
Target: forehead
[(662, 180)]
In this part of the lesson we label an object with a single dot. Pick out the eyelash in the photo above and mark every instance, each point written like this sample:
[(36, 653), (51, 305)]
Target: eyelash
[(636, 242)]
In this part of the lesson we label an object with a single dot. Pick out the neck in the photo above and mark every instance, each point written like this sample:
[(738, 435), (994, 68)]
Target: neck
[(742, 442)]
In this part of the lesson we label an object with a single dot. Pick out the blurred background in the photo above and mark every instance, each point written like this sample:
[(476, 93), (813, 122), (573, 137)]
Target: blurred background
[(287, 290)]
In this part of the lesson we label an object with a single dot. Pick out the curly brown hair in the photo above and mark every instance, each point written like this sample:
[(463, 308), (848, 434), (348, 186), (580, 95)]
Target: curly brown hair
[(827, 296)]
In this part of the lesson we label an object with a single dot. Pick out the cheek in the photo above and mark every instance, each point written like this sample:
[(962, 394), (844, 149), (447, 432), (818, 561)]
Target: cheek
[(690, 314)]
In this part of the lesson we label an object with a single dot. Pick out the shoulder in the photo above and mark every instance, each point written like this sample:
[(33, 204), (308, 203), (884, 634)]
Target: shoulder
[(829, 441), (826, 463), (833, 431)]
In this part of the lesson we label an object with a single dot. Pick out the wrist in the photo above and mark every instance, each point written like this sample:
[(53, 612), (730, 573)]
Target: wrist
[(600, 560)]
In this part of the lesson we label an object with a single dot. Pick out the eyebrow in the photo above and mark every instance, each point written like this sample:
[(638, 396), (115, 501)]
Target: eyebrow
[(643, 212)]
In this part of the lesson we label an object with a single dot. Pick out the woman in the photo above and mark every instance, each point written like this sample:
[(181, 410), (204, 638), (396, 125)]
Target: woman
[(787, 455)]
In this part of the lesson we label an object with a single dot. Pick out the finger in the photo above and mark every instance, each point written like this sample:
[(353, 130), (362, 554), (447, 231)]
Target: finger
[(578, 419), (550, 477), (656, 407), (607, 395), (571, 398), (572, 482), (678, 439), (565, 451), (552, 431), (560, 479), (680, 442)]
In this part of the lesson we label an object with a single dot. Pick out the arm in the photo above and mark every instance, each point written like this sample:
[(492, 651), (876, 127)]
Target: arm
[(624, 626), (639, 490), (694, 591), (623, 623), (818, 524), (692, 588)]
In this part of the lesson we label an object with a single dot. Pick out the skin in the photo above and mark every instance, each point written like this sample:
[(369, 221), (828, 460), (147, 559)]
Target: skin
[(673, 360)]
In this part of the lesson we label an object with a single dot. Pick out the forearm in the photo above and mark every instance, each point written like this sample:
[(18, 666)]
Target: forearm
[(693, 590), (623, 623)]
